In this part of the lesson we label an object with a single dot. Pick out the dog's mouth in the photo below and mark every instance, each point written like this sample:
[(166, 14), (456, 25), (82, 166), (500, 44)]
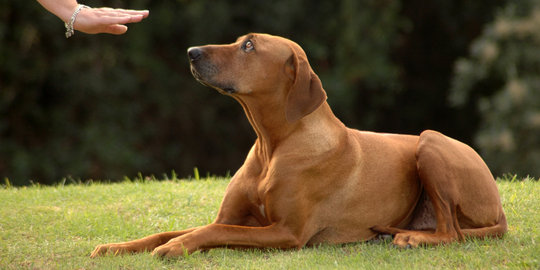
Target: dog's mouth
[(198, 76), (224, 89)]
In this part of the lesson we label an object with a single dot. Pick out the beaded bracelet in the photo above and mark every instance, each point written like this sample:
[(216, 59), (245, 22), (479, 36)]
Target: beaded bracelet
[(69, 26)]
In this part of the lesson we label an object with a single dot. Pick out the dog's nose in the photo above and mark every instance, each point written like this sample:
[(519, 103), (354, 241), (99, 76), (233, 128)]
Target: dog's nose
[(194, 53)]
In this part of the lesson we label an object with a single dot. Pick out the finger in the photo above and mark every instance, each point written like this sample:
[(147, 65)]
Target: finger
[(116, 29), (143, 13), (136, 18), (126, 19), (120, 19), (122, 12)]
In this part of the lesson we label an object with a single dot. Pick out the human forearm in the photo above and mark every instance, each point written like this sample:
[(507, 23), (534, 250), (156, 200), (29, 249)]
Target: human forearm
[(61, 8)]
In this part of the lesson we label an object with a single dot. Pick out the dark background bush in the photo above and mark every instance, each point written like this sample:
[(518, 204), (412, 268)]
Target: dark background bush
[(104, 107)]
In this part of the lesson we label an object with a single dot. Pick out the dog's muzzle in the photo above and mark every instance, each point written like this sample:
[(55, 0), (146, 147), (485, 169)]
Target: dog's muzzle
[(194, 54), (201, 70), (204, 70)]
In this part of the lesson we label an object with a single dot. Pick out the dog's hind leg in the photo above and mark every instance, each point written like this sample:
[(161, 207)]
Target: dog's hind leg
[(461, 189), (497, 230)]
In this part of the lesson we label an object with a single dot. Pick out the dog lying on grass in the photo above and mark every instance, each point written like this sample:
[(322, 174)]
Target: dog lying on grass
[(309, 179)]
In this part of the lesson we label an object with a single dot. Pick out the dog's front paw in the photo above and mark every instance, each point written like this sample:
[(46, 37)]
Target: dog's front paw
[(114, 249), (170, 250)]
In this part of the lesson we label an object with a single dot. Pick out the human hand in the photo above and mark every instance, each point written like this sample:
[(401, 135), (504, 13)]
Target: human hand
[(107, 20)]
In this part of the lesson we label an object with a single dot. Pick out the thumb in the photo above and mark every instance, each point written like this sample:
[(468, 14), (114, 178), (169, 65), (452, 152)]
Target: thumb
[(116, 29)]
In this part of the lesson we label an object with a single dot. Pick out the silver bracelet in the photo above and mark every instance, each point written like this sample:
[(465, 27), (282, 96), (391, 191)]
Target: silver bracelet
[(69, 25)]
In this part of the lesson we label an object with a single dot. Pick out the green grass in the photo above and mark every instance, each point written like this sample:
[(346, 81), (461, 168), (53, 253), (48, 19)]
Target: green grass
[(57, 228)]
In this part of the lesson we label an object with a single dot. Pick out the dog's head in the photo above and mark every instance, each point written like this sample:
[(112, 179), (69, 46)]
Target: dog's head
[(262, 66)]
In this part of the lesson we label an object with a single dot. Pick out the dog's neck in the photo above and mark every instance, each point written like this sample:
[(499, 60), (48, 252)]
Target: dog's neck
[(269, 123), (266, 122)]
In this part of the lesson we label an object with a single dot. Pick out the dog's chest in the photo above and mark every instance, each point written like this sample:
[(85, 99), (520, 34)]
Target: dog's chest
[(261, 194), (261, 209)]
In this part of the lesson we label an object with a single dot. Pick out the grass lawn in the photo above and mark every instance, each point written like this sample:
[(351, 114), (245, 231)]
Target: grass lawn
[(57, 227)]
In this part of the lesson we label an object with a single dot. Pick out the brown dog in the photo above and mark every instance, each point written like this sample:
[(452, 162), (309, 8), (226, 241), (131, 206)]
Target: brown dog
[(309, 179)]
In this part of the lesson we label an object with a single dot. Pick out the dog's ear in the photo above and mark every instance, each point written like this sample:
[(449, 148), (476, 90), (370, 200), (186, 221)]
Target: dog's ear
[(306, 93)]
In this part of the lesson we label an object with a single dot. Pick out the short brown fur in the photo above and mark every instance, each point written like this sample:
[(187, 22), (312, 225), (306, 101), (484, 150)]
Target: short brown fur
[(308, 179)]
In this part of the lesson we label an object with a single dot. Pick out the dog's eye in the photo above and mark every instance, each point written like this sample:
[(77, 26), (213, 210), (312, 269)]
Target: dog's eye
[(248, 46)]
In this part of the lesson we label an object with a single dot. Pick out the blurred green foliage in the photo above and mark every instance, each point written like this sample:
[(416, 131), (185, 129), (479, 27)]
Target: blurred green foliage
[(100, 106), (501, 80)]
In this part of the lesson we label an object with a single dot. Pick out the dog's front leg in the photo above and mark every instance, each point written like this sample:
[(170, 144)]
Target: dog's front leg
[(148, 243), (220, 235)]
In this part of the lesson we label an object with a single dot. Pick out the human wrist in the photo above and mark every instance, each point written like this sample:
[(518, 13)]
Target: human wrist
[(65, 16), (70, 22)]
